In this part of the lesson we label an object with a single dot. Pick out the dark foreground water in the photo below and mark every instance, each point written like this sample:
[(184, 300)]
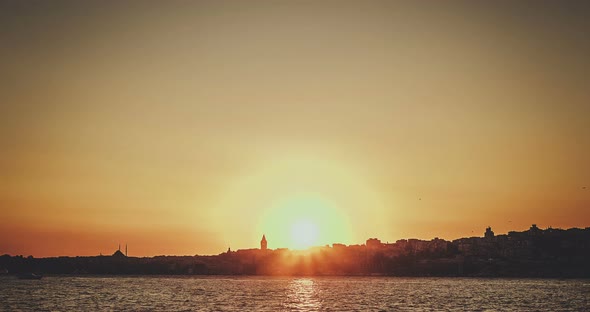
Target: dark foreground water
[(292, 294)]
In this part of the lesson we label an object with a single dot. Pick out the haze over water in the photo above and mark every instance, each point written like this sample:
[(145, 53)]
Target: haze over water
[(292, 294)]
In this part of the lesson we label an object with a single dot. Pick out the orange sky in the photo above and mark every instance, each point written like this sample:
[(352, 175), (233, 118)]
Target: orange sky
[(185, 128)]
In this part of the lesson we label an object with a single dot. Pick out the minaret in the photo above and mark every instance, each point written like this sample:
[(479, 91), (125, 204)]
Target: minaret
[(125, 249), (263, 243), (119, 247)]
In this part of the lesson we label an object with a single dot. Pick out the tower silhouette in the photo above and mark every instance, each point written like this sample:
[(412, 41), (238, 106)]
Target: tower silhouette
[(263, 243)]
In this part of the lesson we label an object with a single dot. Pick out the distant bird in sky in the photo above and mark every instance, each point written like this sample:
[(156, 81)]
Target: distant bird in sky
[(420, 198), (583, 187)]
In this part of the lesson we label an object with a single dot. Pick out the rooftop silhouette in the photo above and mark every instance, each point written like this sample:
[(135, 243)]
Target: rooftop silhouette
[(532, 253)]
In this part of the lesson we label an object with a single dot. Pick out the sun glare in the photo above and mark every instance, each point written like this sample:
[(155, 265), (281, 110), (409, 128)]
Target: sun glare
[(304, 221), (304, 234), (299, 201)]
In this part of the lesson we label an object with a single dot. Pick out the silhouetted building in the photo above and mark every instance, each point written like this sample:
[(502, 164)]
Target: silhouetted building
[(263, 243), (373, 243), (119, 253), (489, 233)]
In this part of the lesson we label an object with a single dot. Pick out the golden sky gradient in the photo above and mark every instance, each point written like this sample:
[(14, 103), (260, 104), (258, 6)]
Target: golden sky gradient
[(188, 127)]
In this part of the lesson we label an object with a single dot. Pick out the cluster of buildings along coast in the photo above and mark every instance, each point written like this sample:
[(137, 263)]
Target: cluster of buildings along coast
[(532, 253)]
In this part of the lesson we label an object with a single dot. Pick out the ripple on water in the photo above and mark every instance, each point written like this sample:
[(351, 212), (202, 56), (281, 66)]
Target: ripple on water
[(291, 294)]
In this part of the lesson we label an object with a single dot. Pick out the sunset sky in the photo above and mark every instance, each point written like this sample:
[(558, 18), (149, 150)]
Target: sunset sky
[(187, 127)]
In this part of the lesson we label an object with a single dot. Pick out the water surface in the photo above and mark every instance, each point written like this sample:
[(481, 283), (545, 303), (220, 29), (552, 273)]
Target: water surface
[(292, 294)]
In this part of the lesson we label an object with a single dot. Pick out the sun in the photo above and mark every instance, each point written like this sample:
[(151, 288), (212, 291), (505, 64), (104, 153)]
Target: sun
[(304, 234), (304, 221), (299, 200)]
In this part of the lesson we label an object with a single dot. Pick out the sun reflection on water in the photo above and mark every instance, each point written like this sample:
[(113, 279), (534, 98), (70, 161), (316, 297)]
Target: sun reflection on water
[(303, 295)]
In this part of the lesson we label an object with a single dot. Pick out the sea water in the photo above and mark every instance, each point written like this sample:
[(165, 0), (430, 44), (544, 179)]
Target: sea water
[(146, 293)]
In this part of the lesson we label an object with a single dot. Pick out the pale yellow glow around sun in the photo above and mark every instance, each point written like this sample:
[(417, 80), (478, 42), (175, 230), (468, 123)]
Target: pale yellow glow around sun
[(305, 221), (304, 234), (298, 201)]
